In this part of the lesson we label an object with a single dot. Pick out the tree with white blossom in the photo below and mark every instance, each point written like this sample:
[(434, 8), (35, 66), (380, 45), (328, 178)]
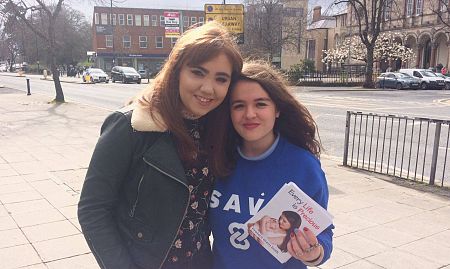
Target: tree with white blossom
[(386, 48)]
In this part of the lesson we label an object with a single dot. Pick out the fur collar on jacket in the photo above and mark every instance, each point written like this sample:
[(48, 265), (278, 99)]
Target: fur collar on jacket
[(142, 121)]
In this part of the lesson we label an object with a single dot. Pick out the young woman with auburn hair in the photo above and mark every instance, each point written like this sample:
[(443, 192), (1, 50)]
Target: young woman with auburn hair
[(148, 186)]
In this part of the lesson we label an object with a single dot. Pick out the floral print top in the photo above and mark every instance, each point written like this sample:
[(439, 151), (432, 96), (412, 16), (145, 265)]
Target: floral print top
[(194, 231)]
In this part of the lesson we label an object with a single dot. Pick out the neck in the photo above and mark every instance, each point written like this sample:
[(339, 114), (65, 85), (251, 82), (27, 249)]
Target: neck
[(256, 148)]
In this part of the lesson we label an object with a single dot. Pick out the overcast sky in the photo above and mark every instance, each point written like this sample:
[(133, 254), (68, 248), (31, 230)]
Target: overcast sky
[(87, 6)]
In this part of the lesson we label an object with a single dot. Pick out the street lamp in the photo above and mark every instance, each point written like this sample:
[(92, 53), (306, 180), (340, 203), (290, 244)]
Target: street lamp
[(112, 34)]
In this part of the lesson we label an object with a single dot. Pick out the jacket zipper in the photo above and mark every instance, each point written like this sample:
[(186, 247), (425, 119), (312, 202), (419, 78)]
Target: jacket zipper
[(185, 210), (133, 209)]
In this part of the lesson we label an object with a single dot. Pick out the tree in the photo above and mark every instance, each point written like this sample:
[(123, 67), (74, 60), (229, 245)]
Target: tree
[(386, 48), (369, 16), (22, 9), (442, 9), (269, 26)]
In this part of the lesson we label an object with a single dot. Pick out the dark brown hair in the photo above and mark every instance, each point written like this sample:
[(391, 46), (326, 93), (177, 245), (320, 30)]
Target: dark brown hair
[(194, 47), (295, 123), (295, 221)]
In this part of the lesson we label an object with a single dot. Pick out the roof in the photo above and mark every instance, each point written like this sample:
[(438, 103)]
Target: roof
[(325, 23)]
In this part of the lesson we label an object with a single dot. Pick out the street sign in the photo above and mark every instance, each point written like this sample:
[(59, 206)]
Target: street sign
[(230, 15), (172, 23)]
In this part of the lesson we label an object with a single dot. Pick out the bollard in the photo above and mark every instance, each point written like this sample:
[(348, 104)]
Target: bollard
[(28, 87)]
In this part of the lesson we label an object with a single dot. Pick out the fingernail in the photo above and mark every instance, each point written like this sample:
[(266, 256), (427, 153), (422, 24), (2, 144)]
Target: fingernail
[(292, 234), (305, 229)]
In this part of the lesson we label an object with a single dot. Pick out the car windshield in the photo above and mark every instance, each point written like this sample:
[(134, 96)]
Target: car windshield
[(96, 71), (428, 74), (402, 75), (129, 70)]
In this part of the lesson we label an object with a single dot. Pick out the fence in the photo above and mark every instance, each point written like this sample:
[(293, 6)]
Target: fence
[(334, 78), (400, 146)]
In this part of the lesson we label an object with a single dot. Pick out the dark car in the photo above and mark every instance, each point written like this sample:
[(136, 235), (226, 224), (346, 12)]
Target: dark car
[(125, 74), (397, 81)]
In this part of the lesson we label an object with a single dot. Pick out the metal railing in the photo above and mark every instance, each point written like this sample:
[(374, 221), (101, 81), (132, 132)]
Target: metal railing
[(400, 146)]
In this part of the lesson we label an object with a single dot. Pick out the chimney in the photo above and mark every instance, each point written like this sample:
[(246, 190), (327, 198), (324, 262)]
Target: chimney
[(317, 13)]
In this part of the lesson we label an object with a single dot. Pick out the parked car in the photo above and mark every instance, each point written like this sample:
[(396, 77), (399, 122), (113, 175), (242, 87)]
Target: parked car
[(143, 74), (428, 79), (446, 80), (95, 75), (125, 74), (397, 81)]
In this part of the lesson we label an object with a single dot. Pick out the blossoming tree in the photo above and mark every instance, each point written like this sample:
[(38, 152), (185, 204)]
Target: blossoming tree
[(386, 48)]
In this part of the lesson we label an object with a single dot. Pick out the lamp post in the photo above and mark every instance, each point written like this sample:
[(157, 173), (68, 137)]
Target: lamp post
[(112, 34), (36, 43)]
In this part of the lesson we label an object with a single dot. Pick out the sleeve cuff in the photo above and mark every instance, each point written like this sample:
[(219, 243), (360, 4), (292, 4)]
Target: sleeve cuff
[(316, 261)]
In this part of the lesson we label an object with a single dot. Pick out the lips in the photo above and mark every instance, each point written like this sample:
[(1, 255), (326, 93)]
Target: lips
[(250, 126), (203, 100)]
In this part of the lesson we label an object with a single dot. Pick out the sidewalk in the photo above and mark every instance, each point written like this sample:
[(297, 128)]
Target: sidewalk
[(45, 150)]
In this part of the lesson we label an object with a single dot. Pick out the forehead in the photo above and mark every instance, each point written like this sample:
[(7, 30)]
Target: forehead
[(248, 89), (219, 62)]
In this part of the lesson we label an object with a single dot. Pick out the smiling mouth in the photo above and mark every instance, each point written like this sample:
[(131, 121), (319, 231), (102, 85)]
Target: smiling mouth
[(250, 125), (203, 100)]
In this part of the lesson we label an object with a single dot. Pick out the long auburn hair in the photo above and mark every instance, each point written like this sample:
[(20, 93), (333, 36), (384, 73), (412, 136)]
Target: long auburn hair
[(295, 123), (194, 47)]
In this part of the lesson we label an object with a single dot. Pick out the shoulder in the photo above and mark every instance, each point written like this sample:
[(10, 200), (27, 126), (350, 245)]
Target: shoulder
[(299, 154), (141, 119)]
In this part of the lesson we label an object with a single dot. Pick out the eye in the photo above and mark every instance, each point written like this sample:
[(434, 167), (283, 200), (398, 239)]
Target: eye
[(237, 107), (197, 72), (222, 79), (261, 104)]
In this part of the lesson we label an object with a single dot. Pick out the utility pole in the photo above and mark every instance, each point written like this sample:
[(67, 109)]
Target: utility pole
[(112, 34)]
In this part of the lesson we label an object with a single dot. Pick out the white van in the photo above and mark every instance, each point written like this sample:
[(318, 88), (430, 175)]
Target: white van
[(428, 79)]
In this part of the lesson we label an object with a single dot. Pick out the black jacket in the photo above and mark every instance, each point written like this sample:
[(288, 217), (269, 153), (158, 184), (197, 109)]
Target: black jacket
[(135, 194)]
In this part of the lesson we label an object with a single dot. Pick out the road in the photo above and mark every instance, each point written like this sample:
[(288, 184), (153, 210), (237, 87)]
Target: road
[(327, 105)]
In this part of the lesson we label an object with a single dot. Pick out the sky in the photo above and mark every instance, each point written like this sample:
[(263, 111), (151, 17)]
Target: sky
[(87, 6)]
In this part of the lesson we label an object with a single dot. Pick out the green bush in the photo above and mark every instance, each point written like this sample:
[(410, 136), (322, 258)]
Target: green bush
[(298, 71)]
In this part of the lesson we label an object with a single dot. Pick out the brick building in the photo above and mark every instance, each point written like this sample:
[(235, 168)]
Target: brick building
[(135, 36)]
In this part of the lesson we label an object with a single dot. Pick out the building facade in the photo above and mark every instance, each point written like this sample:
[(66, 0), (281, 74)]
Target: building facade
[(135, 36), (418, 27)]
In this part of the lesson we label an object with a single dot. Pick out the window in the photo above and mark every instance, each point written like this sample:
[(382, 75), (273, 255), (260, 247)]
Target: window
[(114, 19), (201, 20), (159, 42), (173, 40), (387, 10), (146, 20), (104, 18), (409, 7), (137, 20), (161, 20), (419, 7), (154, 20), (109, 41), (129, 19), (310, 49), (96, 20), (185, 21), (121, 19), (127, 41), (143, 44), (193, 20)]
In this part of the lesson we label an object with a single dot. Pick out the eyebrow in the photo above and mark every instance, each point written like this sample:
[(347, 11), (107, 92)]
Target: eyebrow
[(256, 100), (207, 71)]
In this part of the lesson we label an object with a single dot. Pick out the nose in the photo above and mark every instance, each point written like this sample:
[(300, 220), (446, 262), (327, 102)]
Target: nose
[(250, 113), (207, 88)]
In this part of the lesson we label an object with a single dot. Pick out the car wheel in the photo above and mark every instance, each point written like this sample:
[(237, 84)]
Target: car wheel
[(423, 86), (139, 82), (398, 86), (92, 80), (447, 86)]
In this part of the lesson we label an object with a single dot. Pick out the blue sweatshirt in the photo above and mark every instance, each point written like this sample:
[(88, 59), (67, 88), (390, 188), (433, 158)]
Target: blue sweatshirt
[(247, 190)]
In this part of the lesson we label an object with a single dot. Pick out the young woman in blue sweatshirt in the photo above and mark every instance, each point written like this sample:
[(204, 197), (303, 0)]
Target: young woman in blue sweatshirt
[(276, 144)]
